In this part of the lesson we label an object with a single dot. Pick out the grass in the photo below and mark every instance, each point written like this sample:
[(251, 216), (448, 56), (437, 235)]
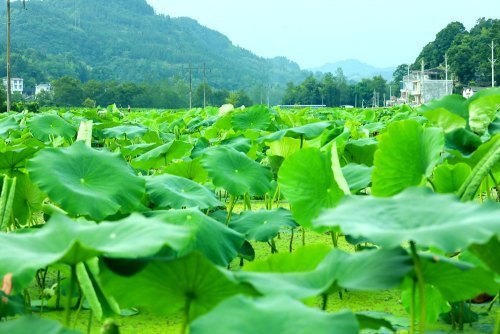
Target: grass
[(387, 302)]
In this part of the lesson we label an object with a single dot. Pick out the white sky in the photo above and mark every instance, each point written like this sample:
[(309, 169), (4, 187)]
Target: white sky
[(314, 32)]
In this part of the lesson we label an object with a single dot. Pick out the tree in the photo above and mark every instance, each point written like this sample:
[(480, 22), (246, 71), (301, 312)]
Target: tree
[(68, 92)]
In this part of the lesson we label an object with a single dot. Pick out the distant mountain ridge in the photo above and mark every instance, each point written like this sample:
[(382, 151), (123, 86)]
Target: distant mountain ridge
[(356, 70), (126, 41)]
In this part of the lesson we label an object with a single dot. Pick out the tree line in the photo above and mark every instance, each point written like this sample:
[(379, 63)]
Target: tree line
[(172, 94), (334, 90)]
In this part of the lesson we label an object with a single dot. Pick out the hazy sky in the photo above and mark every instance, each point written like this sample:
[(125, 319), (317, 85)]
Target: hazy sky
[(314, 32)]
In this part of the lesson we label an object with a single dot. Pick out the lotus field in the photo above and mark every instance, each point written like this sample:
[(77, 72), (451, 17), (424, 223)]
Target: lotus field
[(251, 221)]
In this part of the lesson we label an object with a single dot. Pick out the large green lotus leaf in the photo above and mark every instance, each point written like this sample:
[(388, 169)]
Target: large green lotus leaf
[(309, 131), (162, 155), (272, 314), (43, 127), (357, 176), (363, 271), (87, 182), (494, 127), (488, 253), (239, 143), (256, 117), (28, 199), (191, 283), (170, 191), (417, 215), (66, 241), (478, 154), (483, 107), (189, 169), (125, 131), (406, 155), (446, 120), (455, 104), (216, 241), (449, 113), (361, 151), (14, 159), (6, 125), (34, 325), (306, 180), (457, 280), (449, 178), (235, 172), (136, 149), (284, 147), (462, 140), (262, 225)]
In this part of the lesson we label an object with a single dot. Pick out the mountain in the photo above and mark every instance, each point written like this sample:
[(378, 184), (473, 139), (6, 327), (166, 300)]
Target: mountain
[(355, 70), (126, 41)]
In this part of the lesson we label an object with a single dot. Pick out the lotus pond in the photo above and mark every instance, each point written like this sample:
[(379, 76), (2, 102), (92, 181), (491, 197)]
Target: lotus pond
[(252, 221)]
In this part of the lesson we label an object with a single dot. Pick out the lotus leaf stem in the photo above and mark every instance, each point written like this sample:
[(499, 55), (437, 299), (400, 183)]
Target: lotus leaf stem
[(421, 286), (69, 296)]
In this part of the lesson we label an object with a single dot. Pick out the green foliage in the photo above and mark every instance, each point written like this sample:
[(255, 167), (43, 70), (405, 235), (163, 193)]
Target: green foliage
[(306, 180), (414, 215), (87, 182), (406, 155), (277, 314)]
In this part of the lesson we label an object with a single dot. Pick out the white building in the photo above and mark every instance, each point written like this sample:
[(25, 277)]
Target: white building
[(44, 87), (16, 84), (417, 89)]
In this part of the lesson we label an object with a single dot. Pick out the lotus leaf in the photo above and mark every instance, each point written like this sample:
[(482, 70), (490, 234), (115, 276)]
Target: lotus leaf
[(417, 215), (216, 241), (189, 169), (162, 155), (306, 180), (463, 140), (235, 172), (191, 283), (87, 182), (125, 131), (66, 241), (309, 131), (34, 325), (483, 107), (256, 117), (361, 151), (358, 177), (406, 155), (170, 191), (272, 314), (364, 271), (6, 125), (262, 225), (449, 178), (43, 127)]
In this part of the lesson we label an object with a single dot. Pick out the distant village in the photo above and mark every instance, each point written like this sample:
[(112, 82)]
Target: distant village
[(416, 88)]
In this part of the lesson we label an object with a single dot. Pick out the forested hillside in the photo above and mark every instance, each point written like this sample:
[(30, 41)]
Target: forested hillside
[(126, 41), (468, 51)]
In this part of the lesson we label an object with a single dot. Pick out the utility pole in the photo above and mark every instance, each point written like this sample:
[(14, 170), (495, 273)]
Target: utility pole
[(9, 85), (190, 71), (446, 71), (190, 87), (492, 61), (422, 82)]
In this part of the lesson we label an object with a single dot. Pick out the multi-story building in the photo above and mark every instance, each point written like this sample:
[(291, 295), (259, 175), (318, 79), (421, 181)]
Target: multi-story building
[(16, 84), (419, 87), (44, 87)]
